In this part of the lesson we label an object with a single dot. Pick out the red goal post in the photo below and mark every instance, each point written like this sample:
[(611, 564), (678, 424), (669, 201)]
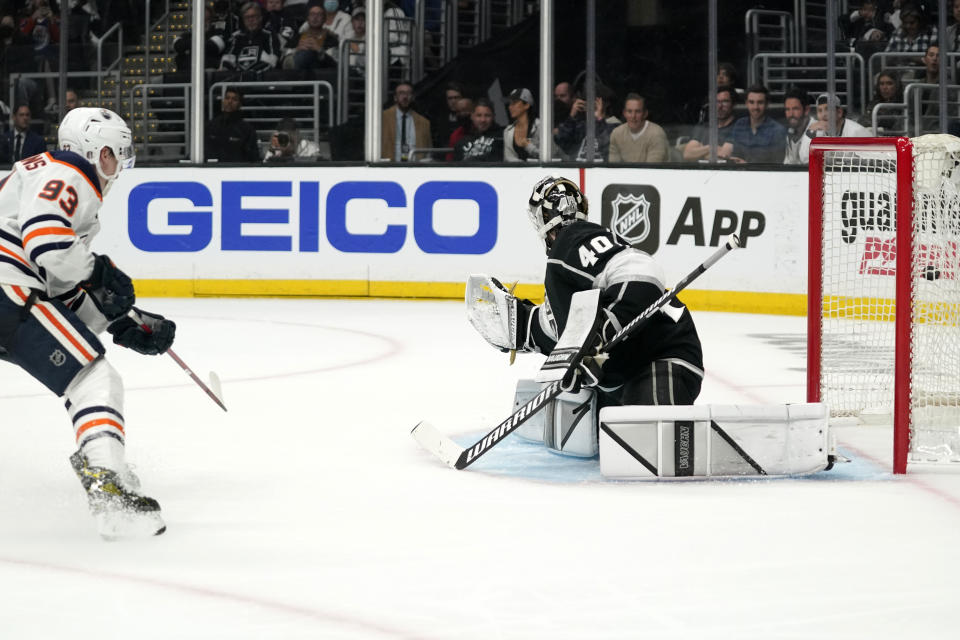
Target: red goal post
[(883, 296)]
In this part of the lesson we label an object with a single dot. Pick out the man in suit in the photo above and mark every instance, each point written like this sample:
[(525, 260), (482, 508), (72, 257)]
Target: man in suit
[(20, 142), (403, 128)]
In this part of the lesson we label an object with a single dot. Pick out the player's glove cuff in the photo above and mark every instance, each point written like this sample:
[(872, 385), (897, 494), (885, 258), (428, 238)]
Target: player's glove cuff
[(150, 334)]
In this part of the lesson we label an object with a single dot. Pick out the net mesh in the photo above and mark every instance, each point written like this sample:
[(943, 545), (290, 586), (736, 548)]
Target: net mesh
[(859, 292)]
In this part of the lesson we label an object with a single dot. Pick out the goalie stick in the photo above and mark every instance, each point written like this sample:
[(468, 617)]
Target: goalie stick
[(459, 457)]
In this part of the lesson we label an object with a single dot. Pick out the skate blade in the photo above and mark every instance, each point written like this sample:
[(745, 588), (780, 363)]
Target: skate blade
[(117, 525)]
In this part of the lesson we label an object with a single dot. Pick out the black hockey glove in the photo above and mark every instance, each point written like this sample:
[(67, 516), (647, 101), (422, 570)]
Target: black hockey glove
[(111, 288), (149, 334)]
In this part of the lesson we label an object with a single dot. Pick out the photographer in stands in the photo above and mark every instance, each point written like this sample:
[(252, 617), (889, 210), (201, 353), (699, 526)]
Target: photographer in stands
[(286, 145)]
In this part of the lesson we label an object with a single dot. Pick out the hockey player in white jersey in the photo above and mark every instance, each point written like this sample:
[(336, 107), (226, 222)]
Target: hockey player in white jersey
[(660, 365), (56, 296)]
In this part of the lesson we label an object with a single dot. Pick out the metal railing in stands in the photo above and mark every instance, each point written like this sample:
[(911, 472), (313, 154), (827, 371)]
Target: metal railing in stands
[(905, 65), (351, 78), (770, 31), (428, 152), (919, 112), (161, 120), (148, 32), (265, 103), (780, 71), (113, 66), (55, 76), (923, 106)]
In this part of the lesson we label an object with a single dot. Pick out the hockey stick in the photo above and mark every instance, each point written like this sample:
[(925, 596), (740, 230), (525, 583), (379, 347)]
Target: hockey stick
[(214, 390), (460, 458)]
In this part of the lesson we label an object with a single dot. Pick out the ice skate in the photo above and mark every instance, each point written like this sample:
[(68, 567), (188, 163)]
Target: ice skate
[(120, 512)]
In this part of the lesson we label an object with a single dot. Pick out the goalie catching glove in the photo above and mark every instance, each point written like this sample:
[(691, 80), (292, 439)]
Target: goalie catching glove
[(497, 315), (110, 287), (147, 333)]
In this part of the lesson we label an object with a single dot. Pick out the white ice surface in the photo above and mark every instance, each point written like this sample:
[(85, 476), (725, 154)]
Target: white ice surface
[(308, 511)]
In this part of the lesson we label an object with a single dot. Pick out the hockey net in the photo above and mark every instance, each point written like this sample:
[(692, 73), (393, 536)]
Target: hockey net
[(884, 289)]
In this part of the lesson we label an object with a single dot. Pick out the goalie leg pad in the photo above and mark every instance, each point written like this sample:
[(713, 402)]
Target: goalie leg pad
[(661, 442), (567, 425)]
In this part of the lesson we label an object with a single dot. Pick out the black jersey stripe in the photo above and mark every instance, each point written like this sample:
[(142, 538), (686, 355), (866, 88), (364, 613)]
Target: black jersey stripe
[(97, 409), (19, 265), (48, 217), (50, 246)]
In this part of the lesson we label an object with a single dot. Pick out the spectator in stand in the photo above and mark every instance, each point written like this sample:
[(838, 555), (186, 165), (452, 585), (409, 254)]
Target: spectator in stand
[(336, 20), (215, 41), (727, 77), (16, 56), (315, 47), (845, 128), (42, 27), (572, 132), (638, 139), (757, 137), (865, 28), (20, 142), (230, 138), (464, 113), (796, 111), (887, 89), (225, 20), (521, 138), (286, 145), (484, 143), (951, 41), (445, 121), (357, 50), (915, 33), (562, 101), (252, 48), (71, 100), (279, 21), (698, 147), (930, 98), (403, 128)]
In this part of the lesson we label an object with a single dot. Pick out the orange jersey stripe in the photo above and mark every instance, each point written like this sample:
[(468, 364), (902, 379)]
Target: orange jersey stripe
[(15, 256), (85, 178), (96, 423), (50, 231), (42, 308)]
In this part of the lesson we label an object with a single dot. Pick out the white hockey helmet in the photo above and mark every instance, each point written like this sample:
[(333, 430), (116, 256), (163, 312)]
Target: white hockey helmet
[(555, 202), (87, 130)]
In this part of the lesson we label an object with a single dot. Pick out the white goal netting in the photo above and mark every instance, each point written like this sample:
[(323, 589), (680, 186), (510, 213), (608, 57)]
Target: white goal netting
[(859, 293)]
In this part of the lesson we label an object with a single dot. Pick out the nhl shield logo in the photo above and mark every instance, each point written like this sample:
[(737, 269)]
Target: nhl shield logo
[(632, 213), (58, 358), (631, 217)]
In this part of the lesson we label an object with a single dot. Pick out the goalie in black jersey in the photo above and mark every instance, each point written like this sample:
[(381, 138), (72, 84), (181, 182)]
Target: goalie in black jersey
[(661, 364)]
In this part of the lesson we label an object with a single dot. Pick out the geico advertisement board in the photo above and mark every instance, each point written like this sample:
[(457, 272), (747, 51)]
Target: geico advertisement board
[(353, 223), (681, 215)]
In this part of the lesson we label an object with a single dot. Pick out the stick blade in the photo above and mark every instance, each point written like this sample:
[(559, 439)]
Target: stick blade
[(436, 443), (217, 389)]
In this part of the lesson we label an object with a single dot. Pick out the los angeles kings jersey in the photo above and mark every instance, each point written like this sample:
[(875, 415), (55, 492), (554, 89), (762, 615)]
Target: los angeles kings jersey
[(588, 256), (49, 206)]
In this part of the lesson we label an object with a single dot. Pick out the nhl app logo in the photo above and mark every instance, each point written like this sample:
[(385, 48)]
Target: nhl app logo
[(632, 212)]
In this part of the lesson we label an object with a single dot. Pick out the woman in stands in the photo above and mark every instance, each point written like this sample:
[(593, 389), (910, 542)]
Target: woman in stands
[(887, 89)]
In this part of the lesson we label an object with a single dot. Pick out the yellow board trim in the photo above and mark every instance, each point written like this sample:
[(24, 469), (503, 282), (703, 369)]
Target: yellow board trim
[(698, 300)]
